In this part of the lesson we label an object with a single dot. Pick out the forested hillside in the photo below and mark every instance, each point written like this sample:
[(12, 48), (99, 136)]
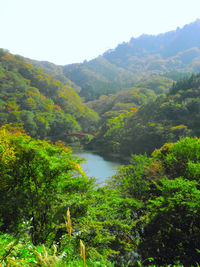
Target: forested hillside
[(98, 77), (176, 51), (131, 99), (142, 57), (164, 119), (141, 103), (55, 71), (45, 106)]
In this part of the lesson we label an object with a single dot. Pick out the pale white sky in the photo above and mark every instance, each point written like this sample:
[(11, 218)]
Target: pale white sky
[(69, 31)]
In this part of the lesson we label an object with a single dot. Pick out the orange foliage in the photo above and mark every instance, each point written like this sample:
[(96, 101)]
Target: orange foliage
[(8, 56), (42, 96), (57, 107), (133, 109)]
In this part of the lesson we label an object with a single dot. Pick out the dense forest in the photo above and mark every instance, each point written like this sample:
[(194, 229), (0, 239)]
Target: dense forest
[(160, 120), (45, 106), (174, 52), (150, 55), (147, 214)]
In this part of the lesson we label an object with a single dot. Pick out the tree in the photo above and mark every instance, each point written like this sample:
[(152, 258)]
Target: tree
[(167, 185), (171, 235), (33, 176)]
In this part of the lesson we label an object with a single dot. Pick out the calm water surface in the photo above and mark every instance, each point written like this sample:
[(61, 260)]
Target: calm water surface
[(98, 167)]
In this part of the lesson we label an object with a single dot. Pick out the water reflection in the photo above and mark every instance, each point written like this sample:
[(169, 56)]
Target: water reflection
[(96, 166)]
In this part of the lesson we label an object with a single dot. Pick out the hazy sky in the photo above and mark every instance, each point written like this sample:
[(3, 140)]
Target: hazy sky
[(69, 31)]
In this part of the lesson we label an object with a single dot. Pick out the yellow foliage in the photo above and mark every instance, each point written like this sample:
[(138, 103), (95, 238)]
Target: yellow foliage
[(135, 93), (78, 168), (49, 107), (178, 127), (42, 96), (34, 90), (56, 83), (8, 56), (30, 99), (12, 107), (164, 149), (30, 93), (28, 65), (155, 170), (62, 145), (57, 107), (48, 76), (7, 152), (41, 119), (133, 109)]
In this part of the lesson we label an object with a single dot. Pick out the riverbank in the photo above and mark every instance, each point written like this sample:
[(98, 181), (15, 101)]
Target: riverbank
[(97, 166)]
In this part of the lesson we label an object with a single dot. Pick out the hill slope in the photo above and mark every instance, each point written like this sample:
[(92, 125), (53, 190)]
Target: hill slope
[(142, 57), (179, 49), (162, 120), (55, 71), (120, 68), (45, 106)]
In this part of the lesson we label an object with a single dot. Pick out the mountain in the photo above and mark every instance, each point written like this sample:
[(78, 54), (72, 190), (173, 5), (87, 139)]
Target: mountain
[(142, 57), (164, 52), (45, 106), (176, 51), (55, 71), (99, 77)]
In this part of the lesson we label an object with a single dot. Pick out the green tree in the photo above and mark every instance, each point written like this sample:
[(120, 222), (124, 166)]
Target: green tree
[(34, 175), (167, 186), (171, 235)]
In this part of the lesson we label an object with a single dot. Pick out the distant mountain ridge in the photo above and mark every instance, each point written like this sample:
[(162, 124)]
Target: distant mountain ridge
[(165, 45), (165, 41), (122, 67)]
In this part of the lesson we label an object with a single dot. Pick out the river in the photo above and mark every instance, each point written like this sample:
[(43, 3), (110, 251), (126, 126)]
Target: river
[(98, 167)]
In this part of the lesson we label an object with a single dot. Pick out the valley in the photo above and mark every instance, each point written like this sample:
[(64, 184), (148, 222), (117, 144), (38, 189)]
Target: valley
[(133, 114)]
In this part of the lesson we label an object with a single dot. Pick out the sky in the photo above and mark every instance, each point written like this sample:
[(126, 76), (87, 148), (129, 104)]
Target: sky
[(71, 31)]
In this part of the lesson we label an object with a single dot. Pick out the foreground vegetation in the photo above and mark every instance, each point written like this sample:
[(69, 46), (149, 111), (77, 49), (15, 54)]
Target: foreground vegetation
[(147, 214)]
